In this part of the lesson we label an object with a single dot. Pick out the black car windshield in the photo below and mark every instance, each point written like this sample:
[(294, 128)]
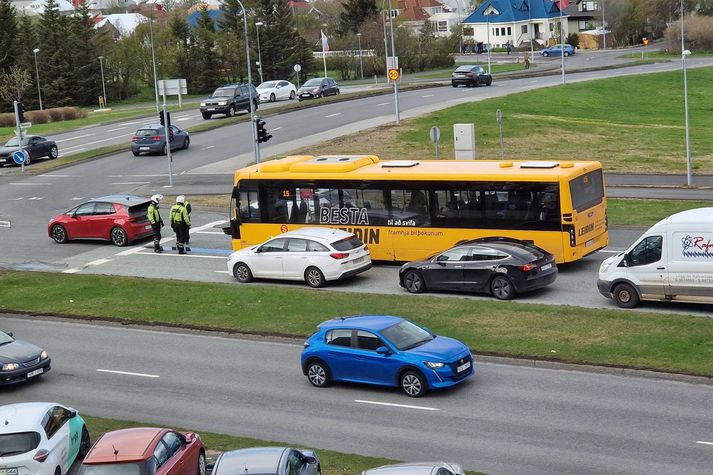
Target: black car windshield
[(313, 83), (132, 468), (347, 244), (5, 338), (464, 69), (405, 335), (15, 142), (224, 92), (18, 443)]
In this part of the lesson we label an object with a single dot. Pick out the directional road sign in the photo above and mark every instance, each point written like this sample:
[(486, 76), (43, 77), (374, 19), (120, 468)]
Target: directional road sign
[(19, 156)]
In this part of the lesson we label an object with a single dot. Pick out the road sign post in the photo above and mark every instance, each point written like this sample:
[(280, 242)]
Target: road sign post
[(499, 118), (297, 69), (166, 125), (18, 131), (435, 135)]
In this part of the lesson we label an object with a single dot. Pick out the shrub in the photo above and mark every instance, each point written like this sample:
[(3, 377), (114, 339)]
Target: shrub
[(55, 114), (71, 113), (7, 120), (699, 34), (38, 117)]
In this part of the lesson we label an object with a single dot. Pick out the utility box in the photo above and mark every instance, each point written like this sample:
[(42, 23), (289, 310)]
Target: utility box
[(464, 141)]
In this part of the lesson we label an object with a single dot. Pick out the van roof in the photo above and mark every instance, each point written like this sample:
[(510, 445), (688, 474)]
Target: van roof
[(697, 216)]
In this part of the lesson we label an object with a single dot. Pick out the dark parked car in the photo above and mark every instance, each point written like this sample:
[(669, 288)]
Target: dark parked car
[(152, 139), (229, 99), (268, 461), (386, 351), (470, 75), (502, 267), (35, 146), (318, 87), (20, 360), (116, 218)]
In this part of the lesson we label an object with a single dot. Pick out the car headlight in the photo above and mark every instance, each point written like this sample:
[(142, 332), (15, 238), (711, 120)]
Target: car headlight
[(433, 364), (316, 89), (202, 104), (604, 266), (44, 355), (10, 366)]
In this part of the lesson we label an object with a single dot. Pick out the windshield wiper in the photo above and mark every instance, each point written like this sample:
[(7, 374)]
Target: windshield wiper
[(13, 452)]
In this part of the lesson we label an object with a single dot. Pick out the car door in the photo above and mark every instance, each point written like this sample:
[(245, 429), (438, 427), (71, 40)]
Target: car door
[(177, 138), (176, 462), (244, 100), (339, 352), (646, 268), (370, 366), (267, 262), (446, 270), (56, 430), (102, 219), (79, 223), (296, 259), (480, 267)]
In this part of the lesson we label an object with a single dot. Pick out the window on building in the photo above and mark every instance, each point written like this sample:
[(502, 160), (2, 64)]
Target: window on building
[(442, 26), (523, 29), (509, 31), (502, 31), (582, 25)]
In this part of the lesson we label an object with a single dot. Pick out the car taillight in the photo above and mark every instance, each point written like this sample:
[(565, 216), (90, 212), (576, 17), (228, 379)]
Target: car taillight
[(41, 455), (366, 248), (155, 137), (528, 267), (135, 138), (339, 255)]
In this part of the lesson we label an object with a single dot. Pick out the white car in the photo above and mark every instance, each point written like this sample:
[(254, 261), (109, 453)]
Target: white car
[(315, 255), (41, 438), (271, 91), (417, 468)]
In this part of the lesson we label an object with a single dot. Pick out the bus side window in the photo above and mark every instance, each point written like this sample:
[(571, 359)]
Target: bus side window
[(249, 206)]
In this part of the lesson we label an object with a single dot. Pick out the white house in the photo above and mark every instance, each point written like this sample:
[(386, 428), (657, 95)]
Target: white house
[(38, 7), (443, 23), (125, 23)]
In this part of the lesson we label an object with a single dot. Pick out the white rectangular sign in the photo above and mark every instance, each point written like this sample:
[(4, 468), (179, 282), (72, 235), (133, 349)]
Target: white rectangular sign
[(173, 87)]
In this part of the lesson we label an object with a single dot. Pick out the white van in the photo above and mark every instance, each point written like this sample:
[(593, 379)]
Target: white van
[(672, 261)]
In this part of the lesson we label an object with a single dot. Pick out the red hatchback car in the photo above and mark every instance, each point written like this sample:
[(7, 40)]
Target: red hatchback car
[(145, 451), (116, 218)]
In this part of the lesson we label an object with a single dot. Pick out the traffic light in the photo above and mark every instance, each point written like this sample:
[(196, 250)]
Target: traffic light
[(170, 133), (161, 117), (262, 135), (21, 112)]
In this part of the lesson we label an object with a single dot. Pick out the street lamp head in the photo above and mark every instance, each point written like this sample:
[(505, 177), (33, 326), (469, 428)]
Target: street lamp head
[(686, 52), (259, 23), (359, 34), (36, 50), (101, 57)]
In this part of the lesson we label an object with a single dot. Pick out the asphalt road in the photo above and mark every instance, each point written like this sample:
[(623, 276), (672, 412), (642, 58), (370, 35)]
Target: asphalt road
[(508, 419)]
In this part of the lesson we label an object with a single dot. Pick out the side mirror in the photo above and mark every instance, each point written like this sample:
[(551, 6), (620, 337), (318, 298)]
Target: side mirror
[(259, 250), (627, 260), (310, 460), (10, 334), (382, 350), (72, 414)]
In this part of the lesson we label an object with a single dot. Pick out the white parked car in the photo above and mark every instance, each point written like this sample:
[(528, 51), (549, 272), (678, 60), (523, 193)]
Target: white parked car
[(417, 468), (315, 255), (41, 438), (271, 91)]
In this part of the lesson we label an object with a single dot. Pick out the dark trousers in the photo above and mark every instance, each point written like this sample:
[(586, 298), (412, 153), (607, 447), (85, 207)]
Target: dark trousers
[(181, 237), (156, 227)]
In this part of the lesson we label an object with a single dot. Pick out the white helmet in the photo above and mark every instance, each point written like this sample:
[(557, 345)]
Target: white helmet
[(180, 199), (156, 198)]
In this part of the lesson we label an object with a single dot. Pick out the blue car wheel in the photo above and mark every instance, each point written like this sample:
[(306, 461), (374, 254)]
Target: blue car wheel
[(318, 373), (413, 384)]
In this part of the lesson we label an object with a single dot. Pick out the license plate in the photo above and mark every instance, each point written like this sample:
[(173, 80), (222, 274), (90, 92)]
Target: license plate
[(211, 108), (148, 226), (8, 471), (358, 260), (546, 266), (304, 95), (144, 148), (589, 243), (31, 374), (463, 367)]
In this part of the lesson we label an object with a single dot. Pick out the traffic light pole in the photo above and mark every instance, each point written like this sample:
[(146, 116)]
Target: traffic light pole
[(18, 130), (166, 125)]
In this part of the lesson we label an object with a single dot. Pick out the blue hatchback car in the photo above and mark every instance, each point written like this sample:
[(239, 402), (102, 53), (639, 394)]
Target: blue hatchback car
[(386, 351), (556, 50)]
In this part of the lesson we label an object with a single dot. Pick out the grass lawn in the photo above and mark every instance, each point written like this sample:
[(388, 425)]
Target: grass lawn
[(647, 212), (630, 124), (675, 343), (332, 463)]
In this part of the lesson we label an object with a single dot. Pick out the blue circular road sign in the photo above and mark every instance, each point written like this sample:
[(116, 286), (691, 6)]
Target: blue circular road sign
[(19, 157)]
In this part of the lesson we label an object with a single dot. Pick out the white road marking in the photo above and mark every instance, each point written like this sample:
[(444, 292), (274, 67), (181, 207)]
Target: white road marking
[(102, 140), (133, 123), (4, 224), (71, 271), (333, 115), (74, 150), (406, 406), (138, 248), (276, 128), (612, 251), (428, 95), (36, 198), (137, 176), (383, 104), (118, 128), (60, 176), (132, 183), (208, 147), (16, 199), (127, 373), (534, 82), (99, 262), (182, 119), (208, 232), (30, 184), (74, 138), (181, 255), (78, 198), (455, 100), (703, 442), (221, 272)]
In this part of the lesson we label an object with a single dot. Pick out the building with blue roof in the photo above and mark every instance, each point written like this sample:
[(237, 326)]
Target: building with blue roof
[(517, 22)]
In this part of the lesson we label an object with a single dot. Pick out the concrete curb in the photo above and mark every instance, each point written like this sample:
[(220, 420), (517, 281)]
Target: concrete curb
[(297, 340)]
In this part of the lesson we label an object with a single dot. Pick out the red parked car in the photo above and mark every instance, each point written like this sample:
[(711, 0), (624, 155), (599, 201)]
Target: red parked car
[(116, 218), (146, 451)]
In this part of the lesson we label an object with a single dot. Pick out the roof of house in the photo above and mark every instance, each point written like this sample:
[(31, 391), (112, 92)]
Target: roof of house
[(414, 10), (125, 23), (507, 11), (38, 6)]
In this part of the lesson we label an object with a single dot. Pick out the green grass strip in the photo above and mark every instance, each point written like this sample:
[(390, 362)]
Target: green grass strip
[(665, 342), (333, 463), (643, 212)]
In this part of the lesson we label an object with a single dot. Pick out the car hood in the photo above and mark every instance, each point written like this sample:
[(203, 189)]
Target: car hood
[(266, 89), (217, 98), (441, 348), (19, 351), (8, 150)]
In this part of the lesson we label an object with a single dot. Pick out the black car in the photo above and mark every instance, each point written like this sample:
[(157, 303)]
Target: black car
[(20, 360), (230, 99), (503, 267), (268, 461), (318, 87), (34, 145), (470, 75)]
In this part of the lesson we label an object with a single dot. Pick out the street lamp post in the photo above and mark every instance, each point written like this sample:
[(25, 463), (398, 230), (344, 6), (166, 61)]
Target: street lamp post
[(37, 71), (258, 24), (393, 64), (684, 56), (256, 147), (604, 27), (101, 66), (488, 26), (153, 58), (361, 65)]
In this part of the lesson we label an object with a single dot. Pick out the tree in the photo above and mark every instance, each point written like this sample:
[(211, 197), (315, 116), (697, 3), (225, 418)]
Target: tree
[(355, 13), (14, 84), (231, 41), (56, 56), (207, 75), (8, 37), (85, 75)]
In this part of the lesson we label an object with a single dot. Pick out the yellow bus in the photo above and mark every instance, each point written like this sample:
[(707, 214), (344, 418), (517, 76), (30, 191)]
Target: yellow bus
[(407, 210)]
